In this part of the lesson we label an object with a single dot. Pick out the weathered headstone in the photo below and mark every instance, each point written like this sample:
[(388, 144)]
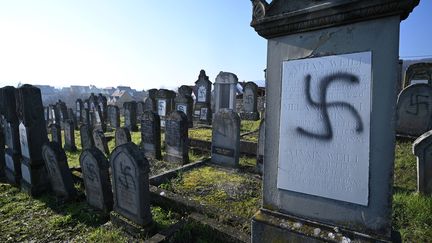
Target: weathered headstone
[(130, 117), (86, 117), (56, 135), (62, 111), (150, 103), (122, 136), (103, 104), (98, 119), (202, 108), (165, 104), (260, 149), (100, 141), (114, 116), (151, 135), (59, 173), (130, 179), (86, 135), (95, 171), (414, 110), (184, 102), (330, 103), (176, 138), (54, 114), (33, 135), (225, 91), (69, 136), (250, 102), (422, 148), (225, 148), (72, 117), (140, 108), (79, 107)]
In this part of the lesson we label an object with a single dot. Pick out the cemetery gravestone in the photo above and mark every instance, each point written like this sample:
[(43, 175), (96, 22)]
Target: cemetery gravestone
[(165, 104), (176, 138), (226, 138), (250, 101), (114, 116), (130, 117), (150, 101), (2, 154), (225, 91), (98, 119), (122, 136), (56, 135), (151, 135), (100, 141), (414, 110), (86, 117), (140, 108), (422, 149), (95, 170), (58, 171), (62, 111), (130, 178), (72, 117), (260, 150), (54, 114), (79, 107), (184, 102), (202, 108), (69, 135), (321, 96), (103, 104), (86, 135)]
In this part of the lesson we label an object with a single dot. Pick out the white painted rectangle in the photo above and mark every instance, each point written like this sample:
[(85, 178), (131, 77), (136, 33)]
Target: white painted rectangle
[(162, 107), (326, 157)]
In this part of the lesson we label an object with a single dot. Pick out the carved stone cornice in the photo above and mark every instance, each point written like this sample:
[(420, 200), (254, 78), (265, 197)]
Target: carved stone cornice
[(284, 17)]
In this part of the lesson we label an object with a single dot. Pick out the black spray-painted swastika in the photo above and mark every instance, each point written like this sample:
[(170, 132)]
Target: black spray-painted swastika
[(323, 105), (417, 103)]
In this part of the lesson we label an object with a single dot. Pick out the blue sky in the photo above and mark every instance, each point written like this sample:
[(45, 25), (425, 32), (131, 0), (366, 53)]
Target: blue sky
[(145, 44)]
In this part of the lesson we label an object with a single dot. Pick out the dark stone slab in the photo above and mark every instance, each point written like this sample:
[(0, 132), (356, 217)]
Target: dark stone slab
[(100, 141), (176, 138), (95, 171), (165, 104), (184, 103), (79, 108), (114, 116), (69, 135), (86, 137), (56, 135), (12, 167), (202, 109), (122, 136), (130, 116), (226, 138), (151, 135)]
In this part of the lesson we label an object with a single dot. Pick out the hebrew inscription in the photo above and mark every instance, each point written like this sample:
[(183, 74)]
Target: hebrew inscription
[(325, 127)]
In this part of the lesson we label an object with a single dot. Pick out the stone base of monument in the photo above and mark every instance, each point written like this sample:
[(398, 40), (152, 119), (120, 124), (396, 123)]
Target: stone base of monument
[(12, 168), (251, 116), (269, 226), (34, 178), (70, 148), (137, 231)]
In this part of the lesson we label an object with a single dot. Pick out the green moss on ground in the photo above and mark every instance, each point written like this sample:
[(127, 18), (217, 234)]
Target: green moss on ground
[(201, 134)]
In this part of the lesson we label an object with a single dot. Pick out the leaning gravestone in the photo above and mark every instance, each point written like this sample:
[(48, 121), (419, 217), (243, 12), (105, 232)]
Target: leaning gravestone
[(98, 119), (176, 138), (422, 149), (226, 138), (130, 117), (225, 91), (202, 108), (130, 178), (58, 171), (184, 102), (151, 135), (122, 136), (95, 171), (329, 142), (69, 136), (414, 110), (86, 135), (100, 141), (250, 102), (165, 104), (56, 135), (260, 149)]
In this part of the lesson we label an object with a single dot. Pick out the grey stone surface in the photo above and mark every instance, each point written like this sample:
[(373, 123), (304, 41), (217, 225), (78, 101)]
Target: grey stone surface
[(202, 109), (95, 170), (122, 136), (130, 116), (414, 110), (176, 138), (165, 104), (151, 135), (114, 116), (69, 136), (100, 141), (184, 102), (226, 138), (10, 122), (130, 178), (58, 171), (150, 103), (260, 149), (103, 106), (56, 135), (72, 117), (79, 107), (13, 167), (98, 119), (250, 102), (225, 91), (86, 135), (86, 117), (140, 108), (422, 148)]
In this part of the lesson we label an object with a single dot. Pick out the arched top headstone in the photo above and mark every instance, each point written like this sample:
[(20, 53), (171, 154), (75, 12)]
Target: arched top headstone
[(226, 78)]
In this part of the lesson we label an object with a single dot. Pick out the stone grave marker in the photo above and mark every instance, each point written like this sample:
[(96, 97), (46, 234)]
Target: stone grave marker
[(130, 118), (140, 108), (250, 102), (59, 173), (72, 117), (54, 114), (56, 135), (130, 179), (122, 136), (100, 141), (98, 119), (103, 104), (260, 149), (86, 135), (79, 107), (226, 138), (86, 117), (176, 138), (151, 135), (202, 109), (62, 112), (184, 102), (95, 171), (414, 110), (69, 136), (422, 149), (114, 116), (2, 155), (329, 141), (150, 101), (225, 91), (165, 104)]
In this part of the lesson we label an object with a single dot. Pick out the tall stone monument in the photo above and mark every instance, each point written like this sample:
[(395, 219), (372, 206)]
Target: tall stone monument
[(225, 91), (225, 147), (130, 118), (202, 109), (151, 135), (176, 138), (150, 103), (331, 71), (165, 104), (79, 107), (184, 102), (250, 102)]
